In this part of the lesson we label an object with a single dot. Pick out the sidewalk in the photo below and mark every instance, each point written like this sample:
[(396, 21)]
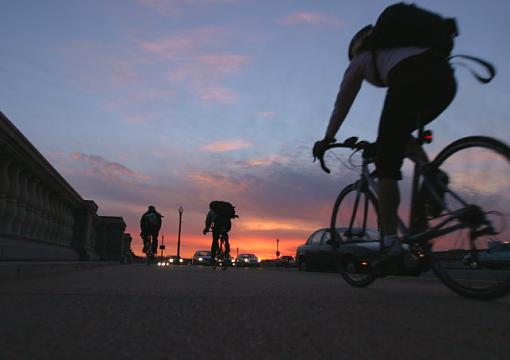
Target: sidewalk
[(25, 269)]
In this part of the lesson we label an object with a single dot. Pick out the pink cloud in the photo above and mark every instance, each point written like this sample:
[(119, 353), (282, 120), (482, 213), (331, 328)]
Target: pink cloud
[(267, 161), (177, 7), (99, 165), (226, 145), (219, 181), (267, 114), (225, 63), (215, 93), (312, 18)]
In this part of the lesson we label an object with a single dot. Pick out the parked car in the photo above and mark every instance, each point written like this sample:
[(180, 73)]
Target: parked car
[(201, 257), (318, 254), (246, 260), (285, 261), (496, 257)]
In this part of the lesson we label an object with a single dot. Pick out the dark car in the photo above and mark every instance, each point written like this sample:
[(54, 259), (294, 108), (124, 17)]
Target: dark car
[(285, 261), (497, 256), (318, 254), (201, 257), (246, 260)]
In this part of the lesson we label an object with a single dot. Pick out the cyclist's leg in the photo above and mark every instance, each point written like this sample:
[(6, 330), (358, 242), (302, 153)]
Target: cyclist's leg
[(154, 244), (145, 239), (214, 245), (227, 245), (420, 88)]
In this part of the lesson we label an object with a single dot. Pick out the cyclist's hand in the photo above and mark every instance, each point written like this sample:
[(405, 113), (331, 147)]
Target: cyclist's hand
[(205, 231), (320, 147)]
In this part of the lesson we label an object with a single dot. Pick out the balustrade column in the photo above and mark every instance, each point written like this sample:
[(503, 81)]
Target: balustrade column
[(11, 199), (28, 224), (21, 197), (4, 182)]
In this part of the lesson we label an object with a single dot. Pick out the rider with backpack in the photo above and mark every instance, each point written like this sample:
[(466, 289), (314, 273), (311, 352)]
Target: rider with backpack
[(150, 224), (406, 52), (219, 220)]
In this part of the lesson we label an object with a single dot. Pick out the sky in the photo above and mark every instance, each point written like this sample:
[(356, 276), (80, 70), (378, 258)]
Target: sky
[(179, 102)]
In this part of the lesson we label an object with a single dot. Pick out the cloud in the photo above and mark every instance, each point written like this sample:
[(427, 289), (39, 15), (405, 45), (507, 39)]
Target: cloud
[(309, 18), (152, 71), (267, 114), (100, 165), (266, 161), (226, 145), (177, 7)]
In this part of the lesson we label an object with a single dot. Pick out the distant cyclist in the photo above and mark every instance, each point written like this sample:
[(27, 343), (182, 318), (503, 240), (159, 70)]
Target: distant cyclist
[(420, 85), (218, 219), (150, 224)]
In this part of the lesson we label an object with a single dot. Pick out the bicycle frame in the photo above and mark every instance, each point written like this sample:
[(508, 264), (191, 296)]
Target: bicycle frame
[(419, 172)]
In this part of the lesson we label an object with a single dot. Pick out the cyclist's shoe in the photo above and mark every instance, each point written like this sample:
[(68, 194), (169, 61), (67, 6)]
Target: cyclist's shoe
[(387, 255)]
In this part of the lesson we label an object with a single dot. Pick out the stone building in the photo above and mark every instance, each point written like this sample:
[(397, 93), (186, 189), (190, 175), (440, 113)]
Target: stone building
[(42, 217)]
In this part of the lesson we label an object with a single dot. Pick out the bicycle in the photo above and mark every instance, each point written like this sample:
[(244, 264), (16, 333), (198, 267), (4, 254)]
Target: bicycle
[(457, 213), (221, 259), (149, 252)]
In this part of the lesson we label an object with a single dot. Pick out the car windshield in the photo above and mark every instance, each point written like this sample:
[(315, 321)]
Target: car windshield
[(248, 256), (203, 253)]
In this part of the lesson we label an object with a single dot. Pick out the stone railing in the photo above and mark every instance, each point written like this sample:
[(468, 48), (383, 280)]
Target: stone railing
[(41, 216)]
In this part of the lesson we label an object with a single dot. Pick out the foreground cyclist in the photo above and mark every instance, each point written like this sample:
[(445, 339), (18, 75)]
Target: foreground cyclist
[(218, 220), (420, 86)]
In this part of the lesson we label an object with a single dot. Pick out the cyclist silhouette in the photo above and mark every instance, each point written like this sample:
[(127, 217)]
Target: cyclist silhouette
[(420, 85), (219, 224), (150, 224)]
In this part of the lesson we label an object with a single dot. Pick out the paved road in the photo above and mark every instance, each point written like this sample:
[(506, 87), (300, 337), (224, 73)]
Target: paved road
[(190, 312)]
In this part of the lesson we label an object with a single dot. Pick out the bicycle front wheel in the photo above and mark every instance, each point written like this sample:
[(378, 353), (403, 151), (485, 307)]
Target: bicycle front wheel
[(355, 221), (473, 265)]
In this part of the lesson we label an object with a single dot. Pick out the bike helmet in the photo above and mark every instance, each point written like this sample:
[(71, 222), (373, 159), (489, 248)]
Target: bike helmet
[(358, 42), (152, 208)]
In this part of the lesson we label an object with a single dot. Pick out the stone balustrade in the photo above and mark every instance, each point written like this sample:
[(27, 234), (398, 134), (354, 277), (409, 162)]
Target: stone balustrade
[(41, 216)]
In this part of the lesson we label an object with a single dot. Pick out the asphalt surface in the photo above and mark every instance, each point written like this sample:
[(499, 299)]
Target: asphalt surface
[(193, 312)]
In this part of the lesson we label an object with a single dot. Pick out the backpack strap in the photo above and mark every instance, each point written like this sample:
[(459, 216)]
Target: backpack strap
[(491, 70)]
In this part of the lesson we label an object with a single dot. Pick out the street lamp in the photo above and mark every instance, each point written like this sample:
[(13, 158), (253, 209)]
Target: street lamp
[(181, 210), (277, 250)]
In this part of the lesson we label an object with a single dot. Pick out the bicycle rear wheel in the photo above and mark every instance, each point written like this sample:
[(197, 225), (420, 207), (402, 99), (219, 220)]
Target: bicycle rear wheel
[(355, 221), (478, 170)]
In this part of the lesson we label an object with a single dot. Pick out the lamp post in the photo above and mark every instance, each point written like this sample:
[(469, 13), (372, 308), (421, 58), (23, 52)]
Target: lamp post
[(181, 210), (277, 251)]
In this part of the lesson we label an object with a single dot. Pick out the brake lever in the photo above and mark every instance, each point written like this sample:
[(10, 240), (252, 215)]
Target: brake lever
[(323, 165)]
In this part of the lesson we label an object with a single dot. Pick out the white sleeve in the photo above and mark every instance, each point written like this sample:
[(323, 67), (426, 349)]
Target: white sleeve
[(349, 88)]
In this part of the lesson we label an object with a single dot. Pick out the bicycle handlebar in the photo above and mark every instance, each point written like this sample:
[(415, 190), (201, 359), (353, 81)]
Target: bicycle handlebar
[(351, 143)]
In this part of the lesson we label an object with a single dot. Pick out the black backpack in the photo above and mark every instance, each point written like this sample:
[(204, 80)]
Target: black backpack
[(404, 25), (407, 25), (223, 208)]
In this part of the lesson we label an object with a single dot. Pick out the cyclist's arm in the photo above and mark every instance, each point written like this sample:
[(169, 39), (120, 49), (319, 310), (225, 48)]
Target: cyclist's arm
[(209, 220), (349, 88)]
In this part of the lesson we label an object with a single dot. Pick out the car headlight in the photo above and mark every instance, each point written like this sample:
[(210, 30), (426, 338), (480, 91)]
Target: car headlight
[(181, 260), (171, 260), (200, 259), (159, 264), (259, 260), (246, 260)]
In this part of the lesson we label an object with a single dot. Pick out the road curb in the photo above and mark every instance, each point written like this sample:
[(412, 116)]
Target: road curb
[(13, 270)]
